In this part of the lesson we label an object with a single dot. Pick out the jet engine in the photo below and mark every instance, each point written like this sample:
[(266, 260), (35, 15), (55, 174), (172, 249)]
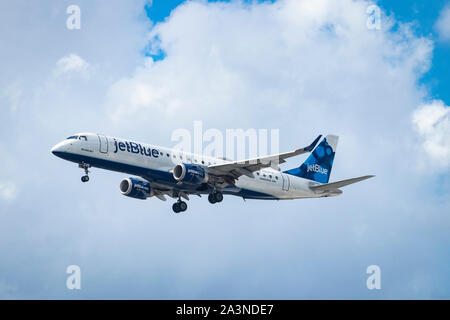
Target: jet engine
[(135, 188), (190, 173)]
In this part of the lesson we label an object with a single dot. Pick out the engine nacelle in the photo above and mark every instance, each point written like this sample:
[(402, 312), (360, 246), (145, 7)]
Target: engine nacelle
[(190, 173), (135, 188)]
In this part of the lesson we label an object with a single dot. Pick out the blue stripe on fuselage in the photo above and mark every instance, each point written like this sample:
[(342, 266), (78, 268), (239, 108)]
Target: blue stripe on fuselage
[(248, 194), (158, 176)]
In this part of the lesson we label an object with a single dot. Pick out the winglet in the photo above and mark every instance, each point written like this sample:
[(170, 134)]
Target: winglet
[(312, 145)]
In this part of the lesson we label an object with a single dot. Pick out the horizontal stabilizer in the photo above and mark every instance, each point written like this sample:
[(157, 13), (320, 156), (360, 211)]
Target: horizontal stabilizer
[(339, 184)]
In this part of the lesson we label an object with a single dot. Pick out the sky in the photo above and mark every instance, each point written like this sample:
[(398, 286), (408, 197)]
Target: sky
[(142, 70)]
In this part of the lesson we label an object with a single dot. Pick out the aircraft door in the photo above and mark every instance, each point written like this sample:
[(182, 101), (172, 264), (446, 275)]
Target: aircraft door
[(286, 182), (103, 143)]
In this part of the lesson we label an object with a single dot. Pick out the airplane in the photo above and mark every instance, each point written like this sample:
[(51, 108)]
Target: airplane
[(160, 172)]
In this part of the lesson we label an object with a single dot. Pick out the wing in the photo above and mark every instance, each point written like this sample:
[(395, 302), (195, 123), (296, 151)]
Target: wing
[(234, 170)]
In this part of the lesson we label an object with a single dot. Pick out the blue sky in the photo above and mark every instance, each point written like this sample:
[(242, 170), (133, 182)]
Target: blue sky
[(424, 14), (303, 67)]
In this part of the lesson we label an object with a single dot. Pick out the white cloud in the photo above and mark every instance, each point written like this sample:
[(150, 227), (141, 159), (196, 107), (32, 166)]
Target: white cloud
[(290, 58), (442, 25), (8, 190), (432, 123), (72, 63)]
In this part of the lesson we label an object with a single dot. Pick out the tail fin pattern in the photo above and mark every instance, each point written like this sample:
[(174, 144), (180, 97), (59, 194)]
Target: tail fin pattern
[(317, 166)]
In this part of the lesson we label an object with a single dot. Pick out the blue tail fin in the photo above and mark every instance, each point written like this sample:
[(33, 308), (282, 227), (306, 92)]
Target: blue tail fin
[(318, 165)]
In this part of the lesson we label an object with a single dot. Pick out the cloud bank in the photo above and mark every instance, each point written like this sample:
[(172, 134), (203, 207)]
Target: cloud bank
[(432, 123)]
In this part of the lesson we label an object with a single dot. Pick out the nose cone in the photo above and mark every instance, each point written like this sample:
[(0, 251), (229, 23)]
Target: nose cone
[(58, 149)]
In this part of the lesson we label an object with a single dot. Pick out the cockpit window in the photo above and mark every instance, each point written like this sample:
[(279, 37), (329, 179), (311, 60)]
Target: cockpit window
[(83, 138), (72, 137)]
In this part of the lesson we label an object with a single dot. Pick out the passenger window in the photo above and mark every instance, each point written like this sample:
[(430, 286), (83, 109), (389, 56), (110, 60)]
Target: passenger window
[(276, 177), (203, 162), (270, 176)]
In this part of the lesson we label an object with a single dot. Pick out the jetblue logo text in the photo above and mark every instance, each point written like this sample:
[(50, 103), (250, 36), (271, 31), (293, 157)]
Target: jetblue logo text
[(317, 168), (134, 147)]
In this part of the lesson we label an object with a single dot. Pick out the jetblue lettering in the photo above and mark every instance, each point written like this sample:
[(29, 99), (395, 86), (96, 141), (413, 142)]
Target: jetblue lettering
[(134, 147), (317, 168)]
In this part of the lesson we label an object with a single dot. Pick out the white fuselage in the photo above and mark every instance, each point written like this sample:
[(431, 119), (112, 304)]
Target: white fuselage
[(155, 164)]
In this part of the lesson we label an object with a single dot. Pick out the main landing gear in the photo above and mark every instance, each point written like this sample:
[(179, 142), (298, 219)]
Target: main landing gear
[(86, 167), (179, 206), (215, 197)]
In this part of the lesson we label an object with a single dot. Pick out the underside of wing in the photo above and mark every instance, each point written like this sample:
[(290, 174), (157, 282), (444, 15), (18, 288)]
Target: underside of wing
[(161, 192)]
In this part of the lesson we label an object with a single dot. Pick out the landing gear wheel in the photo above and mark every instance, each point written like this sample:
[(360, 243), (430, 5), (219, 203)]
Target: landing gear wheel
[(218, 196), (212, 198), (85, 167), (176, 207), (183, 206)]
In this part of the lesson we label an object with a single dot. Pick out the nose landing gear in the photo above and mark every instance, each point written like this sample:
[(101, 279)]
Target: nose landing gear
[(86, 167)]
